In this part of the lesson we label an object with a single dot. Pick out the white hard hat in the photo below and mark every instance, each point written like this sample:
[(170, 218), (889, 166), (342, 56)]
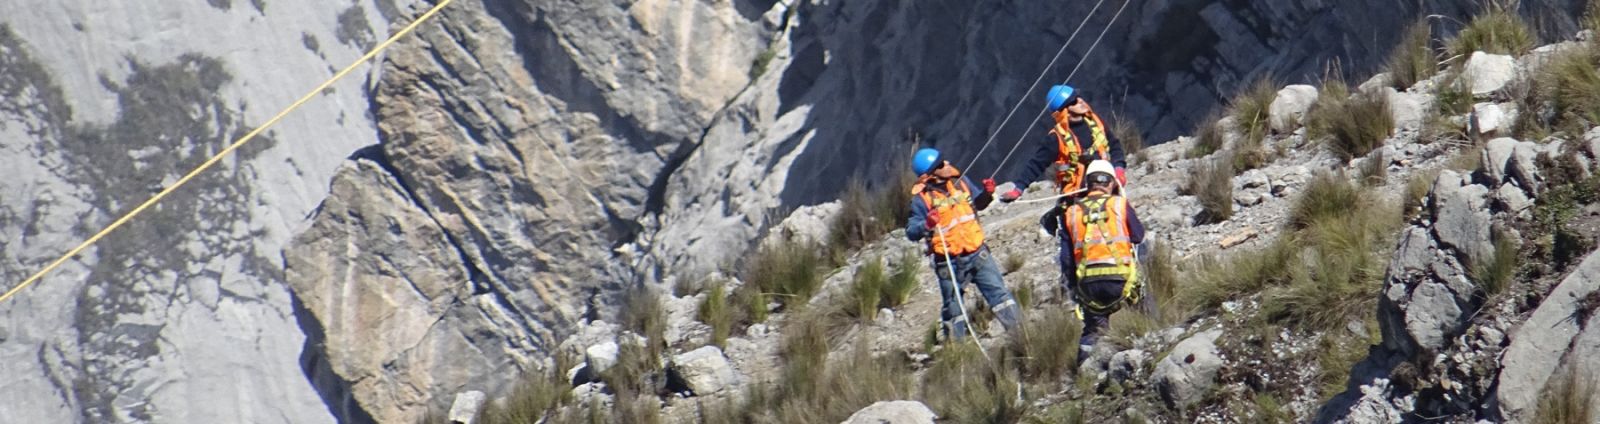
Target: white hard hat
[(1101, 166)]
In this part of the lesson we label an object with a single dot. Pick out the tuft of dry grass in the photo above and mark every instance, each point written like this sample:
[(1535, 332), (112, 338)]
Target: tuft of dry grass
[(1352, 125), (1208, 137), (1250, 109), (1498, 30), (1212, 184), (1414, 59), (1567, 399)]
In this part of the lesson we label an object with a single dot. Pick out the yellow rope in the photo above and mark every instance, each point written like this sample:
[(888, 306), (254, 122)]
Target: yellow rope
[(224, 153)]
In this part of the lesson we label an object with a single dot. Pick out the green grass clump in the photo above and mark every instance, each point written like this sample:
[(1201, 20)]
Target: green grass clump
[(1340, 238), (865, 215), (1570, 83), (963, 387), (866, 291), (1328, 197), (903, 283), (538, 395), (1414, 59), (790, 271), (1208, 138), (1494, 273), (1251, 109), (1212, 184), (1416, 194), (1567, 398), (1213, 280), (714, 311), (1048, 351), (1352, 125), (813, 389), (643, 314), (1498, 30)]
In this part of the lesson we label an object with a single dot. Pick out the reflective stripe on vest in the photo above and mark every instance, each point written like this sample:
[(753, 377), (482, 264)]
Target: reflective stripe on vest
[(1069, 171), (1101, 246), (957, 220)]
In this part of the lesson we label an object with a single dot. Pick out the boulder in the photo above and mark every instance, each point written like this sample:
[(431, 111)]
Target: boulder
[(1378, 82), (1552, 339), (893, 412), (1289, 107), (1496, 155), (1252, 179), (1408, 109), (1461, 220), (1189, 372), (601, 356), (705, 370), (805, 225), (1523, 167), (1512, 199), (1432, 316), (1487, 73), (1489, 119), (1125, 365), (465, 408)]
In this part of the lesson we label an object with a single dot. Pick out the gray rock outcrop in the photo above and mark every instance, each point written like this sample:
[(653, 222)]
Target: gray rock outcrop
[(1289, 107), (1426, 291), (705, 370), (1563, 334), (1487, 73), (1189, 371), (893, 412)]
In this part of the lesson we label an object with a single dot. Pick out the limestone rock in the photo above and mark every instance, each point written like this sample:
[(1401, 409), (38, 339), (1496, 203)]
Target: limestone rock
[(1190, 370), (1288, 109), (1512, 199), (1523, 167), (1489, 119), (706, 370), (602, 356), (808, 224), (1461, 220), (1408, 109), (1487, 73), (1497, 155), (893, 412), (465, 408), (1550, 340)]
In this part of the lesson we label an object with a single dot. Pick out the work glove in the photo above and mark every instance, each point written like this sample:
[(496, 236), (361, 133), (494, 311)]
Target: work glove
[(988, 185), (933, 220), (1011, 195), (1122, 176)]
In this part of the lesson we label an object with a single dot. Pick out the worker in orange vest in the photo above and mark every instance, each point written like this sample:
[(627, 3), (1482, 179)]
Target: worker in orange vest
[(944, 211), (1079, 137), (1099, 233)]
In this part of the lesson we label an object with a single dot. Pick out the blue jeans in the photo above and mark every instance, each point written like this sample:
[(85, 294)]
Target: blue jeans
[(979, 268)]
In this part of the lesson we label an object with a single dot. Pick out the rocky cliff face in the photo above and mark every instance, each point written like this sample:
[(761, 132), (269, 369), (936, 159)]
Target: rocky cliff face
[(182, 315), (503, 170)]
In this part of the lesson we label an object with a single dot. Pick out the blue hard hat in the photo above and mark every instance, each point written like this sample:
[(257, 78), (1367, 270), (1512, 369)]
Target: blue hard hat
[(924, 160), (1059, 95)]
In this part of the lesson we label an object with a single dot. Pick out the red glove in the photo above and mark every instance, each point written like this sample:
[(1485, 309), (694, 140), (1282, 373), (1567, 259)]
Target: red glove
[(988, 185), (933, 220), (1122, 176), (1011, 196)]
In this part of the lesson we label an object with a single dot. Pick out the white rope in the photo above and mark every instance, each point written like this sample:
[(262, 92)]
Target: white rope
[(955, 281), (1042, 73), (1074, 72)]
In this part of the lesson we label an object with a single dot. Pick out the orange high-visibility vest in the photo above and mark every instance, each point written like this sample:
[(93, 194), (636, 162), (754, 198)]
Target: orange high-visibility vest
[(1069, 167), (957, 220), (1101, 247)]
